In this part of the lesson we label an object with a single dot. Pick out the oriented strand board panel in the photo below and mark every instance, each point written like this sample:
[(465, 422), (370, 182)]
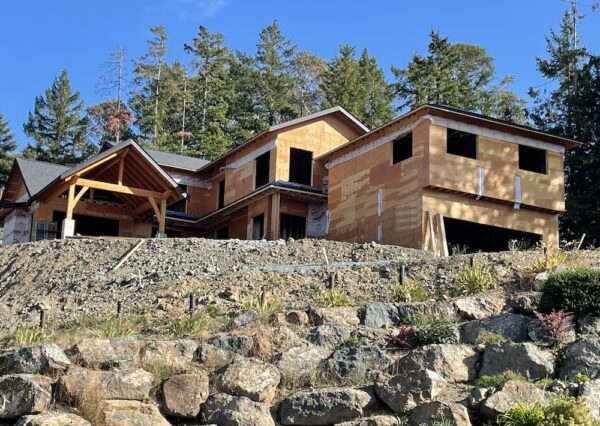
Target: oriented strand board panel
[(489, 213), (499, 161), (369, 197)]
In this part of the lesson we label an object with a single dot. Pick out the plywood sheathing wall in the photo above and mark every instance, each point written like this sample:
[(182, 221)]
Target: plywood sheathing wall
[(354, 186)]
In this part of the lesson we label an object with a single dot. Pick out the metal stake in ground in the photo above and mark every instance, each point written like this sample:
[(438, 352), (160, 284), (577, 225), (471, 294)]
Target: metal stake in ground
[(119, 308), (43, 319), (192, 306), (402, 274)]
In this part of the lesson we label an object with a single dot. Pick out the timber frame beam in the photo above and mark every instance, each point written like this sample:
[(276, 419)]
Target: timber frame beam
[(123, 189)]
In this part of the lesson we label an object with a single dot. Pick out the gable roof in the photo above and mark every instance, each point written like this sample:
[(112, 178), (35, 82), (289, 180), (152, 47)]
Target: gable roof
[(38, 174), (337, 110), (167, 159)]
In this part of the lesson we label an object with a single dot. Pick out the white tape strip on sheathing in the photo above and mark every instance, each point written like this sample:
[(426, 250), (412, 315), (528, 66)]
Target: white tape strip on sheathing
[(379, 201), (252, 155), (517, 192), (479, 182)]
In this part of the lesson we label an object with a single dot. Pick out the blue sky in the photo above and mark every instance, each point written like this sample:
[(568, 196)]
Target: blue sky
[(39, 38)]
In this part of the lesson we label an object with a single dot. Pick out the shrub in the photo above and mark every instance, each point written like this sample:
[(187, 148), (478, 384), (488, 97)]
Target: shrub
[(472, 280), (575, 290), (562, 410), (555, 325), (28, 336), (497, 380), (549, 261), (352, 342), (332, 298), (489, 338), (410, 292), (117, 327), (432, 329), (187, 325), (406, 338), (263, 305), (523, 415), (580, 378)]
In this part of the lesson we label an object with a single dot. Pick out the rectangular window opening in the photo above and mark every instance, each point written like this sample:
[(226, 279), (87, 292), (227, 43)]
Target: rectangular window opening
[(261, 173), (221, 195), (292, 227), (532, 159), (402, 148), (258, 227), (223, 233), (460, 143), (181, 205), (300, 166)]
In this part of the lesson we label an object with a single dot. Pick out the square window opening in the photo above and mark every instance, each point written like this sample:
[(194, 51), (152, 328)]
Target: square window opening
[(223, 233), (292, 226), (460, 143), (402, 148), (532, 159), (300, 166)]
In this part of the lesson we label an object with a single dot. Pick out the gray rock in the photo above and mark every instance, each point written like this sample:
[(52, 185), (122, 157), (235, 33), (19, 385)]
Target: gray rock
[(376, 420), (52, 419), (240, 345), (297, 362), (80, 385), (183, 394), (511, 393), (226, 410), (537, 334), (245, 319), (296, 317), (477, 396), (380, 314), (24, 394), (43, 359), (173, 353), (251, 378), (525, 303), (431, 412), (404, 392), (589, 325), (524, 358), (105, 353), (540, 280), (361, 362), (479, 307), (581, 356), (406, 311), (510, 326), (329, 336), (125, 412), (212, 357), (323, 407), (590, 391), (342, 316), (455, 363)]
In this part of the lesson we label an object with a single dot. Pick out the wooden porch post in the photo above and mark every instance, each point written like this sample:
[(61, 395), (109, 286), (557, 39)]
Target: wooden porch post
[(163, 216), (275, 203)]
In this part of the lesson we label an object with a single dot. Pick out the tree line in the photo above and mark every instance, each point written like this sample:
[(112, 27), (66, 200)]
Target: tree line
[(224, 96)]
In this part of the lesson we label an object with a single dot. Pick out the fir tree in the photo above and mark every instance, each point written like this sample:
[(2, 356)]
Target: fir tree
[(342, 81), (307, 73), (7, 144), (57, 127), (377, 94), (211, 94)]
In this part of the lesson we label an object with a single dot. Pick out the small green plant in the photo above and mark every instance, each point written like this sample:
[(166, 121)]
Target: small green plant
[(580, 378), (117, 327), (28, 336), (522, 414), (187, 325), (263, 305), (160, 369), (518, 245), (352, 341), (472, 280), (443, 422), (575, 290), (430, 329), (410, 291), (333, 298), (497, 380), (489, 338), (458, 249), (549, 261)]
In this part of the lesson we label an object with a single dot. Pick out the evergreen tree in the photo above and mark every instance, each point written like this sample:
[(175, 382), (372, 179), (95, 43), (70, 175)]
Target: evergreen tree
[(57, 126), (377, 94), (458, 75), (212, 92), (273, 77), (307, 73), (7, 144), (108, 119), (570, 108)]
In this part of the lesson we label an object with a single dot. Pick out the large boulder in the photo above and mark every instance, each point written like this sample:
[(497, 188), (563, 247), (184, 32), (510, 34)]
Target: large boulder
[(329, 336), (359, 362), (455, 363), (404, 392), (240, 345), (581, 356), (105, 353), (80, 385), (227, 410), (537, 334), (524, 303), (590, 392), (323, 407), (342, 316), (52, 419), (297, 362), (24, 394), (173, 353), (510, 326), (376, 420), (589, 325), (212, 357), (406, 311), (43, 359), (512, 392), (183, 394), (380, 314), (479, 307), (432, 412), (524, 358), (251, 378), (130, 413)]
